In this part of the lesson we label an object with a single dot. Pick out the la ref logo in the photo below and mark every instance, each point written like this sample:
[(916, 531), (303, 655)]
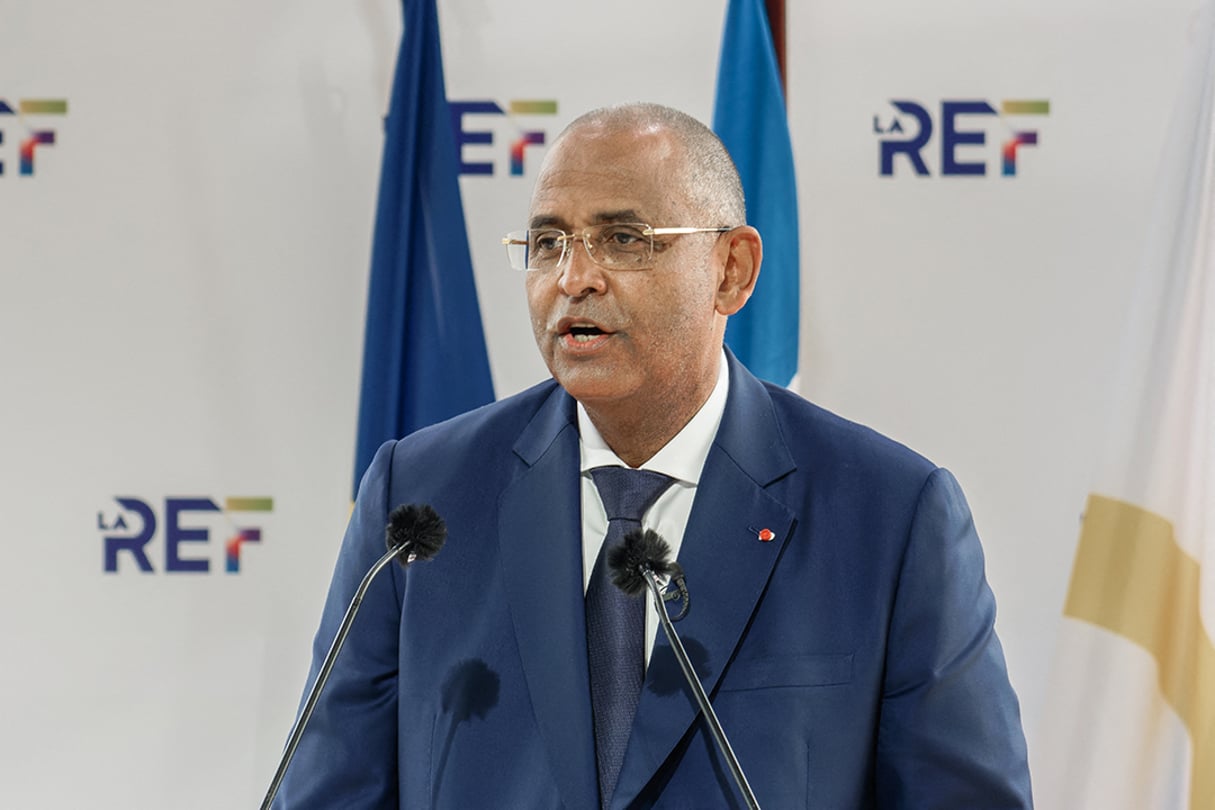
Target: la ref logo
[(29, 129), (485, 129), (965, 126), (183, 530)]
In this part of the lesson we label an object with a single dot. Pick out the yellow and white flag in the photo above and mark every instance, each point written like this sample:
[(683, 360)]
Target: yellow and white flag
[(1130, 721)]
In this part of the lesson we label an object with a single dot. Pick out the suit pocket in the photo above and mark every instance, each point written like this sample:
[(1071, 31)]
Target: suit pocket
[(787, 671)]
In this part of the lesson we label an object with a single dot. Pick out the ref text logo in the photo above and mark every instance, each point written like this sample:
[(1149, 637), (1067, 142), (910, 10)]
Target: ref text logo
[(128, 532), (23, 125), (507, 132), (965, 126)]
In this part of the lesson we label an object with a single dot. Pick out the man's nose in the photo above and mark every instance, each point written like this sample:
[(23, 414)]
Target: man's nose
[(580, 275)]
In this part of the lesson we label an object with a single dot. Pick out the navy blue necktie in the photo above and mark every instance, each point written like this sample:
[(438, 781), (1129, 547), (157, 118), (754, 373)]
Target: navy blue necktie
[(615, 623)]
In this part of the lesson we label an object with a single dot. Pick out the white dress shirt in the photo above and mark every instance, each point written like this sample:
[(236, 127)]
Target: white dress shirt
[(682, 458)]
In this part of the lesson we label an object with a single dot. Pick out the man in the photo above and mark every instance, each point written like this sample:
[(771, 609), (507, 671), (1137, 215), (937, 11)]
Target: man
[(839, 618)]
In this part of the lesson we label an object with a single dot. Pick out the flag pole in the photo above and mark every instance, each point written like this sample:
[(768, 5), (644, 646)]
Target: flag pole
[(776, 24)]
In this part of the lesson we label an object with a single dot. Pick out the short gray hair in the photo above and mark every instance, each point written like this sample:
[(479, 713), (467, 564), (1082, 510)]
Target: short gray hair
[(710, 177)]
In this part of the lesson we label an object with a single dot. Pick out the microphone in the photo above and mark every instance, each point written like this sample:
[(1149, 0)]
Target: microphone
[(639, 550), (417, 530), (413, 533), (642, 561)]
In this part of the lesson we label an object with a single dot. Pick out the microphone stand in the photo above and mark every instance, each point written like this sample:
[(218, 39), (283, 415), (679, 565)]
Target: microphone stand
[(314, 694), (702, 700)]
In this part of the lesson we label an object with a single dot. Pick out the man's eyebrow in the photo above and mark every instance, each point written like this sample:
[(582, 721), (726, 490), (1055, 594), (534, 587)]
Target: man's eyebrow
[(552, 221), (547, 221), (624, 215)]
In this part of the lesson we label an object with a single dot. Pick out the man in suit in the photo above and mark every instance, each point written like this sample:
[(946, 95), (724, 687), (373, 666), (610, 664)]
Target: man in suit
[(840, 617)]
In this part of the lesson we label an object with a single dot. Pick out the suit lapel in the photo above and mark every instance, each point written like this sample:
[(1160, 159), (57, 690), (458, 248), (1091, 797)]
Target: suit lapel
[(727, 567), (541, 552)]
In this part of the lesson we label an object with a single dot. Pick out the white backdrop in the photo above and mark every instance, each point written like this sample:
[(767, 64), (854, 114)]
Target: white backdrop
[(182, 283)]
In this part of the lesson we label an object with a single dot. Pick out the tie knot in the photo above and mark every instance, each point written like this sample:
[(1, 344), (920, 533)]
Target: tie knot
[(627, 493)]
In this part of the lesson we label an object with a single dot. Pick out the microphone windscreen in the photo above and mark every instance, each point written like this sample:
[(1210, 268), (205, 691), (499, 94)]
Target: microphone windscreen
[(639, 550), (417, 529)]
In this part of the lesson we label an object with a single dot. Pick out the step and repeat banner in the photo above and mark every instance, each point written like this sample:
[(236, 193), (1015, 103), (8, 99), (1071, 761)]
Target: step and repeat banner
[(186, 203)]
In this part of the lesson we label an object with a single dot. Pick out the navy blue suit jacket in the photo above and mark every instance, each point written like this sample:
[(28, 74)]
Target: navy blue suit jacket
[(852, 659)]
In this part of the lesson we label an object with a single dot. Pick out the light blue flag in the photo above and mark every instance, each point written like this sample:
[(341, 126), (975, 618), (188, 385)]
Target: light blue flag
[(424, 357), (749, 117)]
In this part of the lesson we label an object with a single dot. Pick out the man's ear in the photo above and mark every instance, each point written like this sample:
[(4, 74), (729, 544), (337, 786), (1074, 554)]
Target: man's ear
[(745, 252)]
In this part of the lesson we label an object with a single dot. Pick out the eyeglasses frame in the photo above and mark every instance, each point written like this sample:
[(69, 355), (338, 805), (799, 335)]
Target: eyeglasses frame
[(584, 237)]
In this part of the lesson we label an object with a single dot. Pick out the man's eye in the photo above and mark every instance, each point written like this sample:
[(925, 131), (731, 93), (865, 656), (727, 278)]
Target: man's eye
[(623, 237), (546, 242)]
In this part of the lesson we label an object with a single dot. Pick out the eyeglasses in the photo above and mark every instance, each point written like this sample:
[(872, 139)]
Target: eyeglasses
[(614, 245)]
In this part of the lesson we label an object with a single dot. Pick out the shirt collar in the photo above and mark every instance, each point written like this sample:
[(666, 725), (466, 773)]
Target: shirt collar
[(683, 457)]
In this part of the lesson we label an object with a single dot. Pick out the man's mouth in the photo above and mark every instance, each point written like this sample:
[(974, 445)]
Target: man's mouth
[(584, 334)]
